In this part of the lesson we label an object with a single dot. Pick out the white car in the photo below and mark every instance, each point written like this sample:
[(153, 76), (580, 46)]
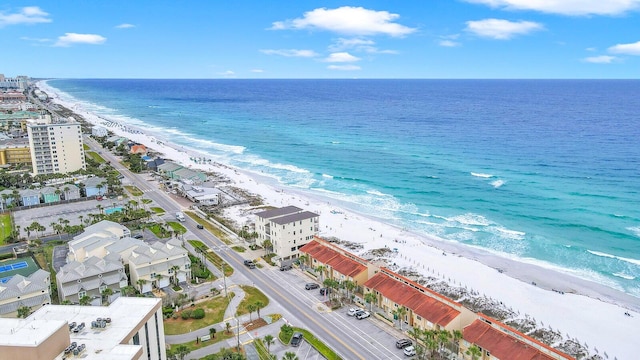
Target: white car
[(352, 311), (410, 350), (363, 315)]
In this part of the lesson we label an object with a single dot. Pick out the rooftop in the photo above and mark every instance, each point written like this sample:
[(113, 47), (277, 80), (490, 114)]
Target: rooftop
[(268, 214), (288, 219), (333, 258)]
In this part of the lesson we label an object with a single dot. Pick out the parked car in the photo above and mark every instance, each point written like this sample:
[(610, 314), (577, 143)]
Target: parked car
[(311, 286), (137, 236), (403, 343), (363, 315), (199, 226), (410, 350), (353, 311), (296, 339), (250, 264), (325, 291), (285, 267), (358, 312)]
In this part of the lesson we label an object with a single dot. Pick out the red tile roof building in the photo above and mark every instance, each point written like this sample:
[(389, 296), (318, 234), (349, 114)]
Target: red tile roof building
[(499, 341), (339, 264)]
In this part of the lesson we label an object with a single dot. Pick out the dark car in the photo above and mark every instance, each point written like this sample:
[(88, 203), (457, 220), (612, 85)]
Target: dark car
[(403, 343), (199, 226), (138, 236), (325, 291), (250, 264), (296, 339), (285, 267), (311, 286)]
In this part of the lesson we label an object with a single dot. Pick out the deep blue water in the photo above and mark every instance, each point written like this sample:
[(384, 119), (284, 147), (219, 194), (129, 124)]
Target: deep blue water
[(546, 171)]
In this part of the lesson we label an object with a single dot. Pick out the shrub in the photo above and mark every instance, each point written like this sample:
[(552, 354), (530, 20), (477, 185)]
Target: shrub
[(186, 314), (167, 311), (198, 313)]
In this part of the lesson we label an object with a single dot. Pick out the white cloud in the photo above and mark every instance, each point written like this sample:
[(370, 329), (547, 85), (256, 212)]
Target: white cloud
[(258, 71), (565, 7), (502, 29), (344, 67), (602, 59), (341, 57), (228, 73), (28, 15), (358, 45), (69, 39), (290, 52), (448, 43), (591, 49), (348, 20), (39, 40), (627, 49), (125, 26)]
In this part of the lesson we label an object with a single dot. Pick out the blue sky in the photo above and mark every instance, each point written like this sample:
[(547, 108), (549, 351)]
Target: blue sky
[(328, 39)]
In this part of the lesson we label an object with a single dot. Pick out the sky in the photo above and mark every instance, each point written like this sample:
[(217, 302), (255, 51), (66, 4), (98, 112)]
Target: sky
[(416, 39)]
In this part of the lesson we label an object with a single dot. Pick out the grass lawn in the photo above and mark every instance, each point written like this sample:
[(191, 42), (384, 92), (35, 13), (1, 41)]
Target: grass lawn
[(239, 249), (147, 201), (177, 227), (95, 156), (5, 228), (252, 295), (213, 257), (158, 210), (212, 229), (214, 313), (158, 231), (192, 345), (133, 190)]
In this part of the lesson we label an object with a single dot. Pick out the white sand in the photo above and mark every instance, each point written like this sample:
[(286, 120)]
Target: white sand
[(592, 313)]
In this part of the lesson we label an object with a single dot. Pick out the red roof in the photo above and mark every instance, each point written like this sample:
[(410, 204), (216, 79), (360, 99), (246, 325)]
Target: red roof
[(339, 262), (505, 346), (138, 149), (420, 302)]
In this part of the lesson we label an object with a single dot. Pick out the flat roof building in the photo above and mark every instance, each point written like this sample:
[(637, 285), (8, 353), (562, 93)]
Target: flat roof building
[(134, 330)]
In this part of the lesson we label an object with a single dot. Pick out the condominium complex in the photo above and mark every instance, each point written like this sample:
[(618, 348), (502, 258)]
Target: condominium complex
[(128, 329), (56, 146), (288, 228)]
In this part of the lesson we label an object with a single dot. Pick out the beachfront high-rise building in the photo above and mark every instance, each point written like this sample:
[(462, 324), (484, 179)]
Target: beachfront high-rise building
[(128, 329), (288, 228), (56, 146)]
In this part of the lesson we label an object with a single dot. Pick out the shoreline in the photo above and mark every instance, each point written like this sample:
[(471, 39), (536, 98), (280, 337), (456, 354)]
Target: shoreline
[(489, 274)]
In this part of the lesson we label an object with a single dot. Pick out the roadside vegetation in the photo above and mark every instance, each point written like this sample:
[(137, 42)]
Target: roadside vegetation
[(253, 301), (213, 313), (286, 332), (216, 260)]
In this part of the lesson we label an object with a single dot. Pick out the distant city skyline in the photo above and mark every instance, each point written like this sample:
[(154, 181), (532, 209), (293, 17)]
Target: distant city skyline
[(513, 39)]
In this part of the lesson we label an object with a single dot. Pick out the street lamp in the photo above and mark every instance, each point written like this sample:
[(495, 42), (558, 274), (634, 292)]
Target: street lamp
[(238, 333)]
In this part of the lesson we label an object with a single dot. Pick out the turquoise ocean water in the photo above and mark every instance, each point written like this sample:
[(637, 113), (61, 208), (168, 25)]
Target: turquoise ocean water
[(544, 171)]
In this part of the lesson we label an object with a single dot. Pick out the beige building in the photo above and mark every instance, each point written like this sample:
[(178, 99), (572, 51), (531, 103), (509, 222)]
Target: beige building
[(15, 151), (33, 291), (288, 228), (56, 147), (91, 277), (159, 264), (134, 331)]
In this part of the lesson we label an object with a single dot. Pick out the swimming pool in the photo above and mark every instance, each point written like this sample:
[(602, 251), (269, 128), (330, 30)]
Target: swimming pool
[(111, 210)]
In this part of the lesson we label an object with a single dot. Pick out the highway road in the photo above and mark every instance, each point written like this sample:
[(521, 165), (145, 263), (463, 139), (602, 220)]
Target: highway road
[(350, 338)]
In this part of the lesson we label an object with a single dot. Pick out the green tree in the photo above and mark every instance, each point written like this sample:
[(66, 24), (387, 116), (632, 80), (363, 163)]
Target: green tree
[(370, 298), (85, 300), (24, 312), (474, 351), (182, 351), (320, 270), (106, 293), (212, 332), (455, 338), (269, 340), (400, 313), (289, 356), (259, 305), (267, 245), (251, 308), (349, 286), (227, 327)]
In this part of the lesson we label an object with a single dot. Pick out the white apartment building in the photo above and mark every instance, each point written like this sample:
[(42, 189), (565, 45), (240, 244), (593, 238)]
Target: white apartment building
[(158, 264), (135, 331), (56, 147), (33, 291), (288, 228)]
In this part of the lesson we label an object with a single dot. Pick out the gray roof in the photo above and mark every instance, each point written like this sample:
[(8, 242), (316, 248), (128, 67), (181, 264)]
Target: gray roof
[(91, 267), (94, 181), (294, 217), (157, 251), (48, 190), (268, 214), (169, 166), (29, 192), (123, 244), (19, 285), (30, 301)]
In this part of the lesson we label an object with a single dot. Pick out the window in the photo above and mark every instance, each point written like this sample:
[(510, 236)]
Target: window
[(170, 271), (102, 288), (187, 266), (81, 294), (153, 275)]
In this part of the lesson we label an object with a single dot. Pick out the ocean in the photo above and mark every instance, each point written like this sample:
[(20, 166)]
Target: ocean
[(540, 171)]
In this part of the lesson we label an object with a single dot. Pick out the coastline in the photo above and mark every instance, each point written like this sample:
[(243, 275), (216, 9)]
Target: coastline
[(508, 280)]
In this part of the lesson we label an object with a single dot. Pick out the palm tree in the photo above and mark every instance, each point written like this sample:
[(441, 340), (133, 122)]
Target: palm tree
[(212, 332), (106, 293), (349, 286), (457, 336), (443, 338), (370, 298), (66, 192), (227, 327), (182, 351), (320, 269), (175, 269), (141, 283), (128, 290), (24, 312), (251, 308), (304, 258), (268, 340), (259, 305), (85, 300), (289, 356), (474, 351), (267, 244), (400, 313)]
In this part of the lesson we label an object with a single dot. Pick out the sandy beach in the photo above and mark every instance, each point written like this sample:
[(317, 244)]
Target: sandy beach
[(599, 317)]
